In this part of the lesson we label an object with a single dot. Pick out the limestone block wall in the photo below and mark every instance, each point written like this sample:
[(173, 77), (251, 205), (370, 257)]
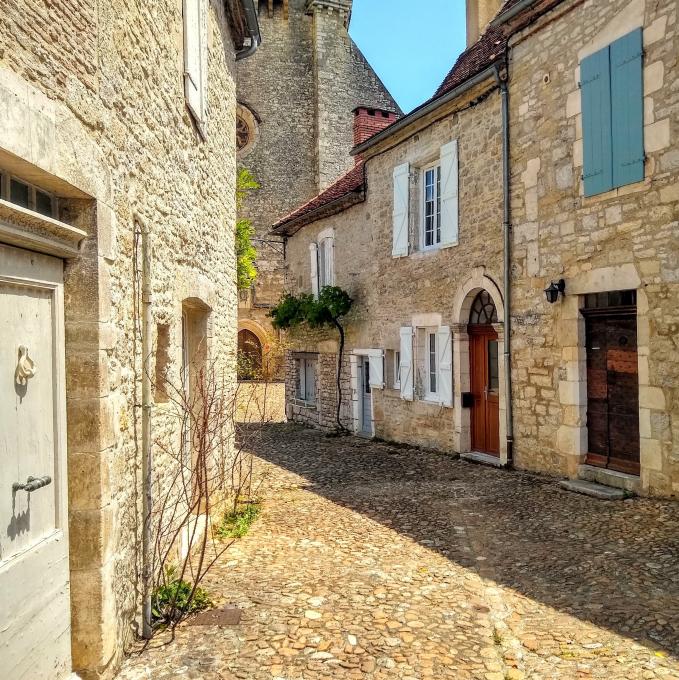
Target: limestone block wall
[(96, 111), (425, 288), (302, 84), (624, 239)]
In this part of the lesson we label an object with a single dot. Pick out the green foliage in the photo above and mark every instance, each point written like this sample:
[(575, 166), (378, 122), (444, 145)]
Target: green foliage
[(237, 523), (172, 600), (246, 253), (332, 304)]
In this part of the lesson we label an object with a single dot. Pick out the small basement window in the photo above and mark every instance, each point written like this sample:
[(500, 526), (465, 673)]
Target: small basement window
[(26, 195)]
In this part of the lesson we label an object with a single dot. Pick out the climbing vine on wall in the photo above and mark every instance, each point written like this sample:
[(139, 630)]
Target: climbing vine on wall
[(246, 253), (328, 310)]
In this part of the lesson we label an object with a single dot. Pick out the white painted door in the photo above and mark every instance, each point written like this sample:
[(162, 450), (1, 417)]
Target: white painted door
[(366, 398), (35, 636)]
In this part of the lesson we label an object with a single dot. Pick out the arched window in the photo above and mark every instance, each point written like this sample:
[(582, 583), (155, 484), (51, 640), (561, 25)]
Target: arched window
[(249, 355), (483, 310)]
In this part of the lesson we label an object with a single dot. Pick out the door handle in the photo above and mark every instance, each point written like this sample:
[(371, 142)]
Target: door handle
[(32, 484)]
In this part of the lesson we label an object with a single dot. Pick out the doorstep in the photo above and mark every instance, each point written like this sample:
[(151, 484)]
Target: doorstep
[(483, 458), (604, 493), (618, 480)]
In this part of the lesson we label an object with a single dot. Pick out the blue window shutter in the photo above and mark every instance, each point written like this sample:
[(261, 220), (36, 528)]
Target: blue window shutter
[(595, 81), (627, 107)]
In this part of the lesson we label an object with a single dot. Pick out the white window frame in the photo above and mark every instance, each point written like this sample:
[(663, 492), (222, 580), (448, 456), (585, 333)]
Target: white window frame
[(424, 364), (397, 370), (302, 386), (6, 179), (437, 234), (326, 262)]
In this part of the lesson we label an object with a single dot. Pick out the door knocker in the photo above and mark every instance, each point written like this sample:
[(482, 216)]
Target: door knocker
[(26, 368)]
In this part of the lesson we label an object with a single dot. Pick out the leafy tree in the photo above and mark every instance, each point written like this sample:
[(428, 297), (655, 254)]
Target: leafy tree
[(246, 253), (333, 303)]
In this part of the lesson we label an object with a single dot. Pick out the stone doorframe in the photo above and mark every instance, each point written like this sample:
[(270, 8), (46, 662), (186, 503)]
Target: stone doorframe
[(572, 436), (464, 299)]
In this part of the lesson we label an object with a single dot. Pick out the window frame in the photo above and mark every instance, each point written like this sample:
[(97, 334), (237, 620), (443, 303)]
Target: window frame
[(437, 230), (396, 383), (424, 363), (302, 386), (6, 179)]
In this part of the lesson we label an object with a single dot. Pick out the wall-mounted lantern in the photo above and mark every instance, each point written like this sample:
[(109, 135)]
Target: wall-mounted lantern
[(553, 289)]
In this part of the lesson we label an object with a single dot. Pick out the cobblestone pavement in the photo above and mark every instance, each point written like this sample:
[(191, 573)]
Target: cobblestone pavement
[(383, 562)]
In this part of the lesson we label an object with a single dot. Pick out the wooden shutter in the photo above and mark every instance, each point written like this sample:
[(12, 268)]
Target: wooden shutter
[(407, 382), (195, 56), (449, 194), (595, 83), (627, 109), (313, 259), (376, 366), (401, 210), (445, 365), (310, 381)]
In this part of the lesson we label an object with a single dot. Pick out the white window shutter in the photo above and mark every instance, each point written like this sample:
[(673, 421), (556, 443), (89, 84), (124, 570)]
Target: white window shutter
[(330, 255), (376, 365), (445, 364), (401, 210), (313, 256), (407, 391), (449, 194), (195, 56)]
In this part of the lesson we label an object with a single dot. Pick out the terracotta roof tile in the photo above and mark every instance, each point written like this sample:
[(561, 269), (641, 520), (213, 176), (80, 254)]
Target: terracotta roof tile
[(353, 182)]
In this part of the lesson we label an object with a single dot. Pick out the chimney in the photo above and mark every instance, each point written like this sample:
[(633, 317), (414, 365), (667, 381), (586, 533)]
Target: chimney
[(368, 122), (479, 14)]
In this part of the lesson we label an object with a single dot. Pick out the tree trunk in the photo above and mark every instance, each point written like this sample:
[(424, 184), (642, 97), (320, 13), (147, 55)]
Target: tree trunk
[(340, 356)]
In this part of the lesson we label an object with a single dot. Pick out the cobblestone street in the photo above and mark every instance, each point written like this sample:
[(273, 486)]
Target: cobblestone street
[(382, 562)]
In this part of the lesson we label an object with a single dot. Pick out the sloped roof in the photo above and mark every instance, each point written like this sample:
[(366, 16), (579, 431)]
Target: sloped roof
[(346, 191)]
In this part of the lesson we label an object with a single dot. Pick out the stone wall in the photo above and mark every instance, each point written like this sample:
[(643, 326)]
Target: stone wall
[(425, 287), (95, 110), (302, 84), (624, 239)]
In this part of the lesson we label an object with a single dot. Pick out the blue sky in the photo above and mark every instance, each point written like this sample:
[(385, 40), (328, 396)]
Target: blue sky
[(411, 50)]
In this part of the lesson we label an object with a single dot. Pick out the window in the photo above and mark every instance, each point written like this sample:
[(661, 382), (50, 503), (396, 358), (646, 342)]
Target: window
[(326, 273), (431, 219), (611, 81), (392, 363), (27, 195), (427, 363), (305, 388), (195, 59)]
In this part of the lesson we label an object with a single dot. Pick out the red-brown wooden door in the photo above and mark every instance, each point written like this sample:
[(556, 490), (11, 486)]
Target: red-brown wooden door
[(485, 383), (612, 391)]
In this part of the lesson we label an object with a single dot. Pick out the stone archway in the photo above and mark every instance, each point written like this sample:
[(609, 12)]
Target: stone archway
[(479, 282)]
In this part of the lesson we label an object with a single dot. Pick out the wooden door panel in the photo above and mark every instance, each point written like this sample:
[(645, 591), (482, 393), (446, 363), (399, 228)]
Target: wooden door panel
[(485, 423), (612, 392)]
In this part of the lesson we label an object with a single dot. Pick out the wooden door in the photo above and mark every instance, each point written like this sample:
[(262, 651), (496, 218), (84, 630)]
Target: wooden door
[(35, 639), (485, 384), (612, 391)]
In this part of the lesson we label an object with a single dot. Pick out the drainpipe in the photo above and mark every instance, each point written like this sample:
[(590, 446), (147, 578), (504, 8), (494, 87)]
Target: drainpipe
[(147, 459), (253, 30), (507, 230)]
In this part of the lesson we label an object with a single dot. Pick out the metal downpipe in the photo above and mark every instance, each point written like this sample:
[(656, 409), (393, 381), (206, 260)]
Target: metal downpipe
[(507, 229), (147, 456)]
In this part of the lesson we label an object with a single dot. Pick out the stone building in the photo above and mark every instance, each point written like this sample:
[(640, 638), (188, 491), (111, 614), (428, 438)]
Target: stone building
[(117, 137), (296, 97), (595, 203), (587, 142), (414, 233)]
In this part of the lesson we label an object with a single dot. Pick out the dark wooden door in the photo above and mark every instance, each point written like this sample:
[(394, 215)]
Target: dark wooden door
[(612, 391), (485, 384)]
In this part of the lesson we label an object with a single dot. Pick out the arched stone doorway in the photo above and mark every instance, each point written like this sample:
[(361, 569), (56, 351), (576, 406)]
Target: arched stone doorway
[(249, 355), (484, 375), (478, 336)]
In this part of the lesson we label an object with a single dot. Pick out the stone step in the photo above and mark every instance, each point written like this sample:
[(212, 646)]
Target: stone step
[(604, 493), (483, 458), (619, 480)]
